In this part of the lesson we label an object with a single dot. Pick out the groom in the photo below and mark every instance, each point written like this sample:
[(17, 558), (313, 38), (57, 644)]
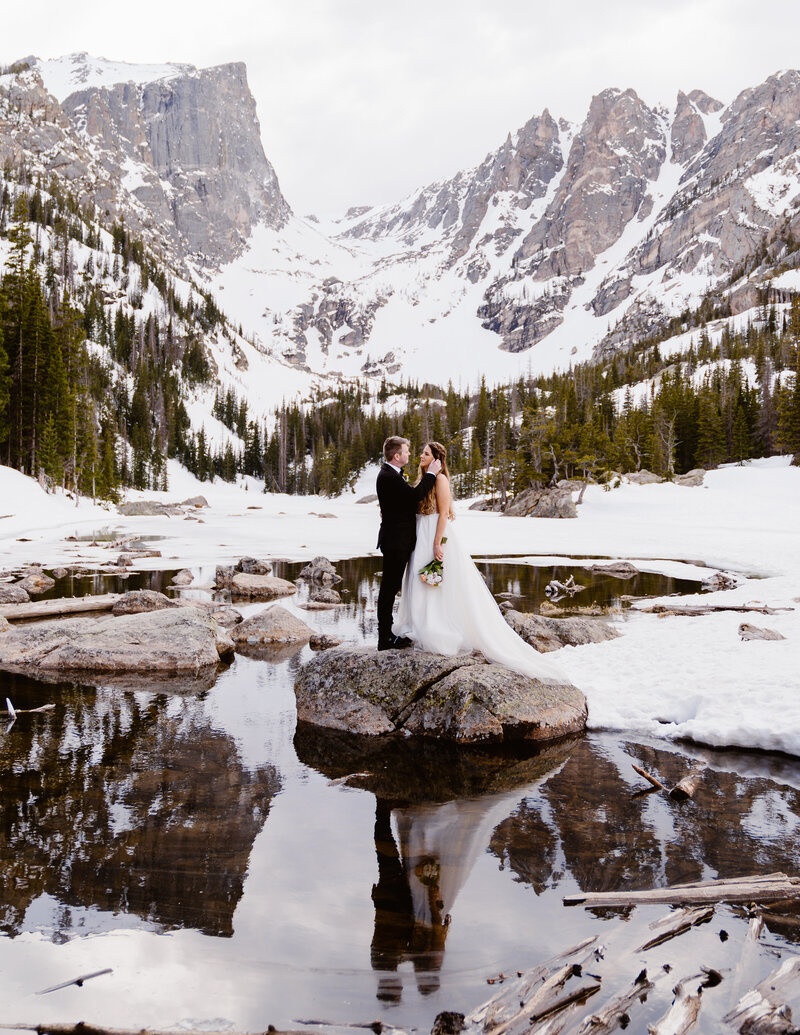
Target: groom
[(398, 533)]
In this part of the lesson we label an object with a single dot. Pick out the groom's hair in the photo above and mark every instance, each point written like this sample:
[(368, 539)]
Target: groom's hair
[(392, 446)]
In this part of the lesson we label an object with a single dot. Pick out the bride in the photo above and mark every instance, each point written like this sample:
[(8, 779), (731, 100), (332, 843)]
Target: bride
[(460, 613)]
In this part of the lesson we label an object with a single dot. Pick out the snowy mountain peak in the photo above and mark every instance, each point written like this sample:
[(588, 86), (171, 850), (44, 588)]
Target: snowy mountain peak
[(81, 71)]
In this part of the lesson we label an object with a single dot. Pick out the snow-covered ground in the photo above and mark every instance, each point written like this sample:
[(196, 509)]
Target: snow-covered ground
[(672, 677)]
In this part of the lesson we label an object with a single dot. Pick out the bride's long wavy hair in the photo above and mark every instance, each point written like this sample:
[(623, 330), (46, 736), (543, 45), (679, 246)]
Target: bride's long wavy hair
[(428, 504)]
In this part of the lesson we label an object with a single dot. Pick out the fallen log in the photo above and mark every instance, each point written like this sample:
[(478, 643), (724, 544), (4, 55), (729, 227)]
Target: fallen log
[(30, 711), (740, 889), (766, 1008), (692, 610), (61, 606), (676, 923)]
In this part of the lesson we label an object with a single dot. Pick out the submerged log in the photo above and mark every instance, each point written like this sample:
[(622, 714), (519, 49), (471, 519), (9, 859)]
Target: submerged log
[(62, 606), (739, 889), (676, 923), (616, 1013), (767, 1007), (511, 1009), (681, 1016)]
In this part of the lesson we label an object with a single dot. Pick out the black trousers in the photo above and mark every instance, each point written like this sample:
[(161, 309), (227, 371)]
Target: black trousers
[(394, 565)]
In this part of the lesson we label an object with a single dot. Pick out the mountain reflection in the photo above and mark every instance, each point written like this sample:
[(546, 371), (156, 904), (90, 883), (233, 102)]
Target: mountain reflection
[(126, 804), (589, 820)]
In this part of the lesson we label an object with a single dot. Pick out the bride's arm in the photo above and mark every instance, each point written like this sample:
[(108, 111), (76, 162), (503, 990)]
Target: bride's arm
[(443, 507)]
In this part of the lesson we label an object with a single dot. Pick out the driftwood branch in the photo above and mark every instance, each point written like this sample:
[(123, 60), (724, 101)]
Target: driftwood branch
[(650, 779), (77, 981), (741, 889), (30, 711)]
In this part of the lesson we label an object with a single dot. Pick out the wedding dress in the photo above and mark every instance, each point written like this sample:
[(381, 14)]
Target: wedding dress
[(460, 614)]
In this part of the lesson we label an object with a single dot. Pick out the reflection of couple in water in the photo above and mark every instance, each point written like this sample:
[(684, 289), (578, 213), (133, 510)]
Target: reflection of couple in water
[(425, 853)]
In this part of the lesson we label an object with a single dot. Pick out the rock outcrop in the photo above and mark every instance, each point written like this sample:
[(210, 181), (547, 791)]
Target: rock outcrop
[(543, 503), (546, 634), (139, 601), (274, 625), (179, 640), (460, 698), (13, 594)]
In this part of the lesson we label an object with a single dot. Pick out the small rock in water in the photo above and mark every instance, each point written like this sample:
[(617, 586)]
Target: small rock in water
[(138, 601), (183, 578), (322, 641), (36, 583)]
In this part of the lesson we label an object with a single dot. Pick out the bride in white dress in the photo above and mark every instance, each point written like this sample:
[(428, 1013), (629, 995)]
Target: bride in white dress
[(460, 613)]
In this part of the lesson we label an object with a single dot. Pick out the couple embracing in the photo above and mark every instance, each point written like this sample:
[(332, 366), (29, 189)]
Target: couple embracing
[(457, 613)]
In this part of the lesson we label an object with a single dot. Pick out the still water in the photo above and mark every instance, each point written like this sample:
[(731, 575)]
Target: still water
[(236, 871)]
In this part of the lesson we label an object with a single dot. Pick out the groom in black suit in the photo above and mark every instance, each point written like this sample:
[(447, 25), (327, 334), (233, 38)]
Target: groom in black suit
[(398, 533)]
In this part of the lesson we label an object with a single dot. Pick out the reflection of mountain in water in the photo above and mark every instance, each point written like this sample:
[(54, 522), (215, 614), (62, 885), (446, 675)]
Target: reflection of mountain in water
[(587, 820), (127, 804), (436, 807)]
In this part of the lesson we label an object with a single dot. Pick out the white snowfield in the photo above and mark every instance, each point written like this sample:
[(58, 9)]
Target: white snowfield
[(673, 677)]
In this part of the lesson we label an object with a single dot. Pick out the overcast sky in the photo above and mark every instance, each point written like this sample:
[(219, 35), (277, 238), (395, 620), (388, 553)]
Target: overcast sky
[(360, 101)]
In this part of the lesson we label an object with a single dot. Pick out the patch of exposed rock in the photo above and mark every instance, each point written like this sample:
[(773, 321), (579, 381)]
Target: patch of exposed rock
[(246, 566), (546, 634), (13, 594), (324, 595), (36, 582), (180, 639), (644, 477), (371, 498), (260, 587), (322, 641), (543, 503), (460, 698), (617, 569), (139, 601), (320, 570), (692, 479), (183, 578), (274, 625)]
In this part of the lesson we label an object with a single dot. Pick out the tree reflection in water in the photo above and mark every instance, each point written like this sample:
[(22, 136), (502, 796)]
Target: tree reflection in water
[(124, 803)]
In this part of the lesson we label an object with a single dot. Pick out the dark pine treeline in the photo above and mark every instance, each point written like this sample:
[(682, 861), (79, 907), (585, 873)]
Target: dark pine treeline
[(93, 420), (701, 409)]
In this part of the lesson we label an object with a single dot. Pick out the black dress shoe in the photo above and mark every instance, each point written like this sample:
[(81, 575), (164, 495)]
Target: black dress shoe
[(388, 644), (403, 642)]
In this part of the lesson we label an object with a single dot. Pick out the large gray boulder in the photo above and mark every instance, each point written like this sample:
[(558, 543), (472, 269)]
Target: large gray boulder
[(270, 626), (260, 587), (542, 503), (546, 634), (175, 640), (461, 698)]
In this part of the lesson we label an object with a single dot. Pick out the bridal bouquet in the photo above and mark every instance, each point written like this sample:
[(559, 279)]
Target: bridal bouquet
[(431, 574)]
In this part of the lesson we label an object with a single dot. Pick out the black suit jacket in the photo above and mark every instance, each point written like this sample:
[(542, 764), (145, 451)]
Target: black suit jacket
[(398, 502)]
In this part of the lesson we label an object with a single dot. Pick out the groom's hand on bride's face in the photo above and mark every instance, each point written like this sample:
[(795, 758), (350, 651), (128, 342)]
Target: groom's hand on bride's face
[(435, 466)]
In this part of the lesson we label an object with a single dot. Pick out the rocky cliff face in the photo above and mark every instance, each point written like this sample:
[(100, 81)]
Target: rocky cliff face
[(179, 157)]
